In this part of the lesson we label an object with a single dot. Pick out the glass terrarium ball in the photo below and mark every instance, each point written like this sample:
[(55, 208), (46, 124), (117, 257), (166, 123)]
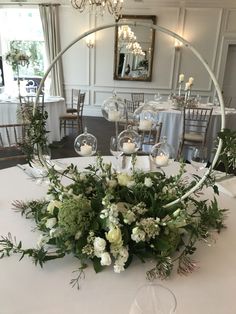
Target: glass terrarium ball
[(85, 144), (113, 108), (162, 154), (145, 117), (129, 141)]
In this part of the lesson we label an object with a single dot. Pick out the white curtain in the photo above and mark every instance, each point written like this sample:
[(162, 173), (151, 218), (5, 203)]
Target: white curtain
[(49, 17)]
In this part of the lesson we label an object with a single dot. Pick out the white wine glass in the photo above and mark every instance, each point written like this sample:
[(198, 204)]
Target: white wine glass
[(199, 158), (154, 299), (115, 151)]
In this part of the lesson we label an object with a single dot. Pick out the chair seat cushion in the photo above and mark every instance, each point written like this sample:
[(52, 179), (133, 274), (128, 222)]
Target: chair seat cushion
[(193, 137), (69, 116)]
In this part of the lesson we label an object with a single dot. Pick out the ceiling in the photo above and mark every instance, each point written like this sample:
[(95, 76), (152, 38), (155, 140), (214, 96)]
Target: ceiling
[(144, 3)]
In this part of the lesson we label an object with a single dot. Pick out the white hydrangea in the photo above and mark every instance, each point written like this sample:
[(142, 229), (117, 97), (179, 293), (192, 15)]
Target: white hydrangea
[(138, 235), (148, 182)]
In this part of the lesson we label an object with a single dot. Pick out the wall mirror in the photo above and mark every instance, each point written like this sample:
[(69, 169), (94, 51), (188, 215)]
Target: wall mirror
[(134, 48)]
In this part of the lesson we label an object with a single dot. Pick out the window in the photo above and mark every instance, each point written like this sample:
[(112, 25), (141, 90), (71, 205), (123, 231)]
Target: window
[(21, 28)]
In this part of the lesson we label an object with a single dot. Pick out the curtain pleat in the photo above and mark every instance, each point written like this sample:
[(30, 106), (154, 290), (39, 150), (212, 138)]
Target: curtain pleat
[(50, 23)]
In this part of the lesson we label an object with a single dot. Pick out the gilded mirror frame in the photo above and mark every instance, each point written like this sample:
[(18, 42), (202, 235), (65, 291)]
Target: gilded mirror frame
[(133, 73)]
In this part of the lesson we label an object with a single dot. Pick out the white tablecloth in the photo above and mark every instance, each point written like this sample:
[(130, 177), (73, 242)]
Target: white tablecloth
[(173, 125), (27, 289), (55, 106)]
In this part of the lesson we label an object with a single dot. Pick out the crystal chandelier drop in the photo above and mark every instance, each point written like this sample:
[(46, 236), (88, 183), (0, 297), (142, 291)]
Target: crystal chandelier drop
[(114, 7)]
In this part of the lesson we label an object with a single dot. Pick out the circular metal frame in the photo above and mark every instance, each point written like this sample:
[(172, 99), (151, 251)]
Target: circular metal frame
[(186, 44)]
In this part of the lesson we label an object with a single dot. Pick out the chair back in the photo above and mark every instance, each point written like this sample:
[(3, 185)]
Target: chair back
[(139, 97), (75, 97), (150, 138), (196, 120), (80, 105), (11, 136), (130, 107)]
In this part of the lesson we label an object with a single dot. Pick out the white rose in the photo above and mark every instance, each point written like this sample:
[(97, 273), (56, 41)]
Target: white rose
[(148, 182), (114, 235), (50, 223), (123, 179), (105, 259), (99, 245)]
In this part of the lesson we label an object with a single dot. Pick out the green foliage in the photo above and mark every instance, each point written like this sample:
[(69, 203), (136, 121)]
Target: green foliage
[(110, 218), (33, 49), (228, 152)]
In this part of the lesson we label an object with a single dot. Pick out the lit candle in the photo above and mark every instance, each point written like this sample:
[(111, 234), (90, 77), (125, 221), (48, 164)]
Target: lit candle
[(161, 160), (181, 78), (113, 115), (145, 125), (187, 86), (85, 150), (190, 80), (128, 147)]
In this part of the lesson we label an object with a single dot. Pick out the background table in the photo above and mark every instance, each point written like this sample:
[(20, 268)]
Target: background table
[(27, 289), (55, 106), (173, 125)]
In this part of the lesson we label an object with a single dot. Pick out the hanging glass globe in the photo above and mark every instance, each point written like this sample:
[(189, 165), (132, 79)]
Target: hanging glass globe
[(145, 117), (162, 154), (129, 141), (85, 144), (113, 108)]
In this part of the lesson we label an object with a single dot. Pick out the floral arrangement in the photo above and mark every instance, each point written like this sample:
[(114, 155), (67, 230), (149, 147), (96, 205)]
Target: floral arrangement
[(109, 218), (15, 57)]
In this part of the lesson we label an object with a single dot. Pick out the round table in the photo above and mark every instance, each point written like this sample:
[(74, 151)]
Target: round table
[(54, 105), (172, 124), (27, 289)]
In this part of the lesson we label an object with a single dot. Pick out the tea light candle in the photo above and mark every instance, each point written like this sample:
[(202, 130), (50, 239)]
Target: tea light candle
[(145, 125), (161, 160), (128, 147), (113, 115), (85, 150), (181, 78), (190, 80)]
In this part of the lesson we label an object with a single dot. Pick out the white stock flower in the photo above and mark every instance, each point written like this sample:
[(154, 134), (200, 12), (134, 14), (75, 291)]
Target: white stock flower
[(118, 268), (137, 235), (148, 182), (50, 223), (105, 259), (99, 245), (52, 205)]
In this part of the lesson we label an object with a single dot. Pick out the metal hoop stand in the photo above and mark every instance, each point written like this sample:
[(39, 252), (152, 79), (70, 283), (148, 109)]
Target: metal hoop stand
[(186, 44)]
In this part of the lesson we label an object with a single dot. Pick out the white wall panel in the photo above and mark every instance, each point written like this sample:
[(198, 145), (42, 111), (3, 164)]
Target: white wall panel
[(201, 29), (231, 21)]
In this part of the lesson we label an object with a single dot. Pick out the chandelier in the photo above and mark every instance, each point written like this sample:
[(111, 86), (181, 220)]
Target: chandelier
[(114, 7), (125, 34), (135, 48)]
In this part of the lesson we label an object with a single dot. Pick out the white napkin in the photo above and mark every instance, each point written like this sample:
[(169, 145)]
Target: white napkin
[(142, 163)]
